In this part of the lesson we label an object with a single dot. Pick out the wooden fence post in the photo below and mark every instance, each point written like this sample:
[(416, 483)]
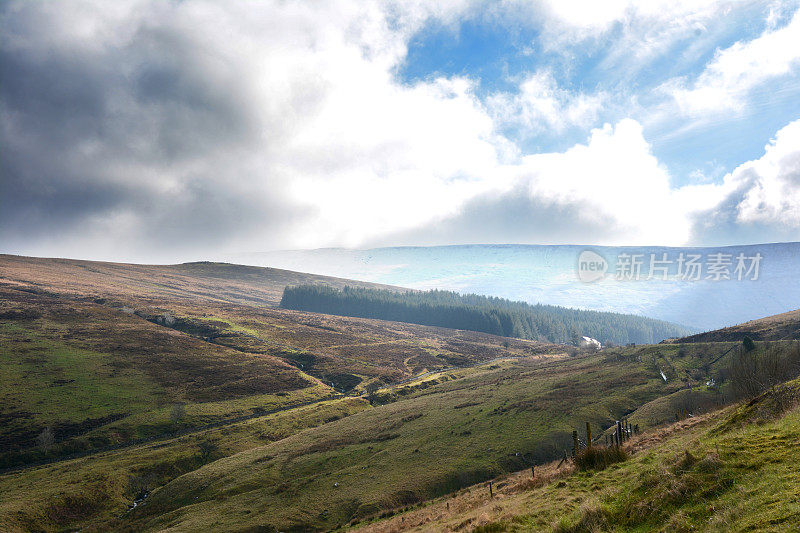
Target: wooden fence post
[(619, 432), (533, 472), (588, 435)]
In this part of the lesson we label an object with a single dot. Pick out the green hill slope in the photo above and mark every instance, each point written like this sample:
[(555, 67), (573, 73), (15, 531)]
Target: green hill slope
[(736, 469), (477, 424), (211, 413), (94, 355), (785, 326)]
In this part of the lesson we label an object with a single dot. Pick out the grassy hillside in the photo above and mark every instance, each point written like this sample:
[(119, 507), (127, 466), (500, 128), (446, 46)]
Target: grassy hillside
[(195, 282), (96, 492), (474, 425), (736, 469), (90, 374), (209, 410), (434, 436), (121, 362), (785, 326)]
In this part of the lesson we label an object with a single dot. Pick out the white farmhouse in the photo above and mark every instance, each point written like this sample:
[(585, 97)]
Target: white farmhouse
[(588, 342)]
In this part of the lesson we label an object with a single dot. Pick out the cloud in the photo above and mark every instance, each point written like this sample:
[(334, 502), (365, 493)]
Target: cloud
[(595, 17), (610, 189), (150, 130), (513, 216), (540, 105), (735, 71), (759, 197), (633, 33), (197, 125), (613, 190)]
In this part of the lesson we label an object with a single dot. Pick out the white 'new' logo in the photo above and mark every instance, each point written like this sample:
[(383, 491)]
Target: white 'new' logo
[(591, 266)]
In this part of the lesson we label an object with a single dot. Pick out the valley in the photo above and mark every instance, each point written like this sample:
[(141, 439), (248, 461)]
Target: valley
[(184, 390)]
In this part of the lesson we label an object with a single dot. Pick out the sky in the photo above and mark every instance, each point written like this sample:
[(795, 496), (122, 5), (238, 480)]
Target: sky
[(154, 130)]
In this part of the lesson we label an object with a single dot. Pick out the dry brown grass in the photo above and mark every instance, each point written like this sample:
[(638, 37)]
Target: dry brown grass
[(472, 507), (233, 298), (216, 282), (660, 434)]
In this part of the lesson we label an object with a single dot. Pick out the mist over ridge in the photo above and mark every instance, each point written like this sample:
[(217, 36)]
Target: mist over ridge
[(547, 274)]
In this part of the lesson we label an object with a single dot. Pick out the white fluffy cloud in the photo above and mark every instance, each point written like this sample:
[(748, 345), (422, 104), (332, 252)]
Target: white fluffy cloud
[(615, 182), (541, 105), (738, 69), (610, 190), (769, 187)]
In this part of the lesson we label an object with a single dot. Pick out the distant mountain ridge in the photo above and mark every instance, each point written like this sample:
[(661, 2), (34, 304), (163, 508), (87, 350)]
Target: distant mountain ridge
[(547, 274), (202, 280)]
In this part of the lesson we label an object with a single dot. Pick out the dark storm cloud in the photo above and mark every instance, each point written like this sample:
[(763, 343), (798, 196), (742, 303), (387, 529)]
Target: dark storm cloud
[(106, 126)]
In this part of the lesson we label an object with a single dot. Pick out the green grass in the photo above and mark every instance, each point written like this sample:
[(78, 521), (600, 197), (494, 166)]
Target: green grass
[(351, 352), (432, 441), (97, 376), (435, 435), (65, 382), (159, 421), (735, 469), (325, 465), (94, 492), (743, 480)]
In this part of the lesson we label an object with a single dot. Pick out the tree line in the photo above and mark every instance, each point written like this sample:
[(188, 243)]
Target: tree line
[(486, 314)]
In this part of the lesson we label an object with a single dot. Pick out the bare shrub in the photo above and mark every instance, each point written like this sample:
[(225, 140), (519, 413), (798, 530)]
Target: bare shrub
[(45, 439), (748, 344), (754, 371), (687, 402)]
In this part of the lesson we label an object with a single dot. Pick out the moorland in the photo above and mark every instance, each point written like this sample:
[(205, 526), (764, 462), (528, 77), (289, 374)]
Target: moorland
[(182, 398)]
